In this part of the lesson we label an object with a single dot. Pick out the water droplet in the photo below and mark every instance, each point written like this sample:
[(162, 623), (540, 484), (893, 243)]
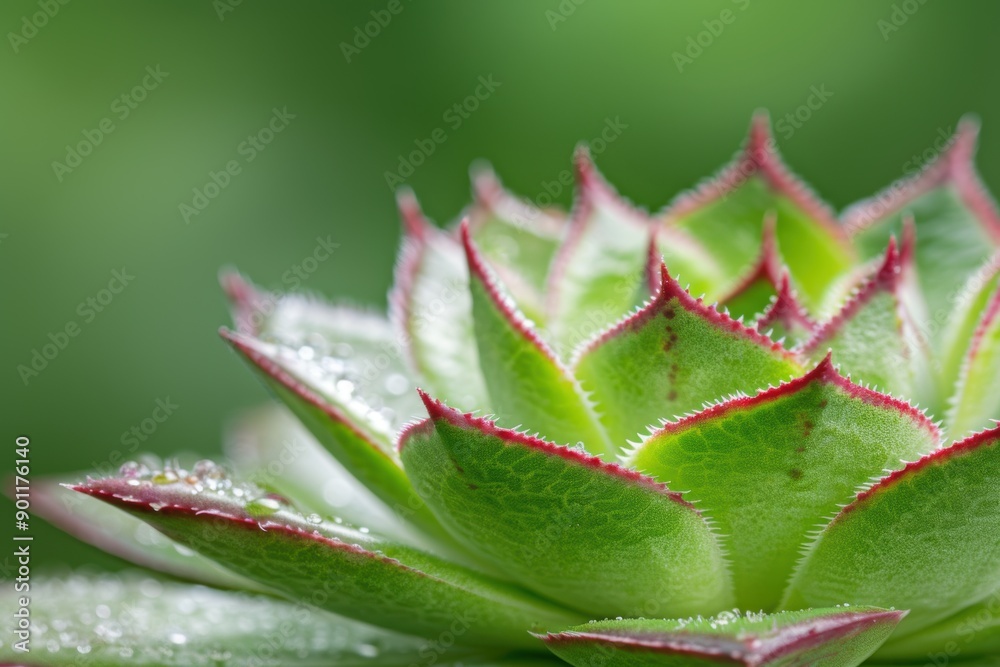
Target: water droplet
[(314, 518), (177, 638), (261, 507), (367, 650), (165, 477), (133, 470), (306, 353)]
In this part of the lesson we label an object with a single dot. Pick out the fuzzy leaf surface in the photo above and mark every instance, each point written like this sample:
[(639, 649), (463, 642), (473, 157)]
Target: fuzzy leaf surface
[(972, 632), (432, 312), (837, 637), (727, 214), (925, 538), (337, 568), (120, 620), (670, 358), (594, 536), (977, 402), (766, 468), (527, 384), (599, 266)]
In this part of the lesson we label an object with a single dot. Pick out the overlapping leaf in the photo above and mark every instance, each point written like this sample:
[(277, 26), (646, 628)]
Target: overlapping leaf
[(926, 538), (670, 358), (331, 566), (977, 402), (597, 270), (957, 222), (527, 384), (765, 468), (837, 637), (591, 535), (726, 215)]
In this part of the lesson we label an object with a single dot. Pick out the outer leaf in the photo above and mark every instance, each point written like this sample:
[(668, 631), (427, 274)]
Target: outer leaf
[(517, 238), (673, 356), (764, 468), (527, 384), (785, 318), (128, 538), (270, 448), (596, 271), (726, 213), (841, 637), (110, 620), (430, 307), (973, 632), (957, 222), (925, 538), (977, 403), (872, 334), (340, 569), (341, 423), (591, 535), (361, 344)]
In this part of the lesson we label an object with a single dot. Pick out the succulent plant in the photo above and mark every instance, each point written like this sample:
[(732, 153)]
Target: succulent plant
[(554, 450)]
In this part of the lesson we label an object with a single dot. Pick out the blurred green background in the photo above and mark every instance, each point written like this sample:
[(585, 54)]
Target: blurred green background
[(563, 70)]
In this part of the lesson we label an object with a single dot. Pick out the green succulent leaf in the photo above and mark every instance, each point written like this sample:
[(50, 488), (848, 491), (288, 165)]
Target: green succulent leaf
[(332, 566), (960, 325), (123, 620), (671, 357), (756, 290), (343, 424), (726, 215), (925, 538), (526, 382), (597, 270), (362, 342), (685, 256), (517, 238), (958, 226), (837, 637), (977, 403), (432, 311), (591, 535), (785, 319), (871, 333), (269, 447), (127, 537), (765, 468), (972, 632)]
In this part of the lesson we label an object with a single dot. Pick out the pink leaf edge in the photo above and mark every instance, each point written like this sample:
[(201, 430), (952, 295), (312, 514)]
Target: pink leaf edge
[(490, 196), (768, 267), (983, 439), (157, 500), (786, 309), (886, 279), (989, 317), (824, 372), (438, 411), (667, 291), (593, 190), (245, 299), (955, 165), (481, 271), (758, 156), (272, 369), (747, 651)]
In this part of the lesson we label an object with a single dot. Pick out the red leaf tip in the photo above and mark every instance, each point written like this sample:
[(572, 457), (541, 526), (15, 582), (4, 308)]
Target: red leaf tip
[(415, 223)]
